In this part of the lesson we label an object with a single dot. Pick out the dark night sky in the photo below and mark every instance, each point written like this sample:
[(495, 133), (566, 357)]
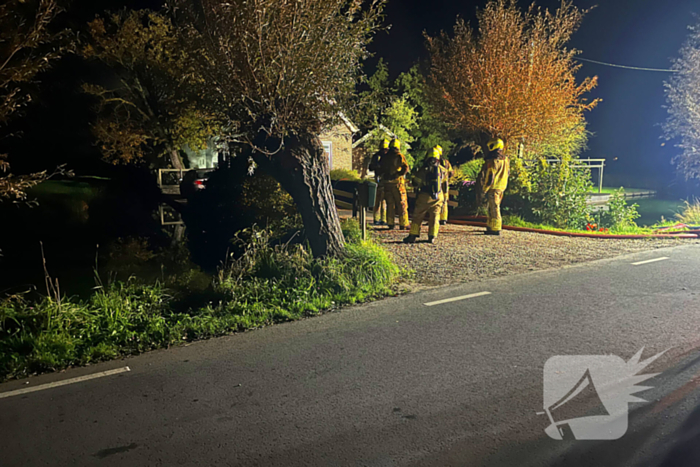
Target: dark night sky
[(644, 33)]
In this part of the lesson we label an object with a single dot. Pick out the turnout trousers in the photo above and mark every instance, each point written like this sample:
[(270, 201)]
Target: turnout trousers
[(379, 205), (396, 202), (428, 207), (494, 221)]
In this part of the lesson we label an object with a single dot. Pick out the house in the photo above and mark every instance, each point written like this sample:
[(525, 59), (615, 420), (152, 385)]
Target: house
[(207, 158), (337, 143)]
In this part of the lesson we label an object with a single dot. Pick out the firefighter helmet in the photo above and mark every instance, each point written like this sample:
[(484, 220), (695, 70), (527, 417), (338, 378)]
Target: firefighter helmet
[(495, 144), (395, 144)]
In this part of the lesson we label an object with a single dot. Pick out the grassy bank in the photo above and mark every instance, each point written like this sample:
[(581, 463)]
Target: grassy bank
[(266, 285)]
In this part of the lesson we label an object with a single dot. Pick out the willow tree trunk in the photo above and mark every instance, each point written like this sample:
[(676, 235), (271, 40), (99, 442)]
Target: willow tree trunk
[(302, 169), (175, 159)]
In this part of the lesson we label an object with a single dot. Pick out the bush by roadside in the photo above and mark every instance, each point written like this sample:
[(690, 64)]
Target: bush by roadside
[(620, 216), (269, 283)]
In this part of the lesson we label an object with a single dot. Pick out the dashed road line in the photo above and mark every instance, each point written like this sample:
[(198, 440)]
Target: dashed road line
[(66, 382), (656, 260), (457, 299)]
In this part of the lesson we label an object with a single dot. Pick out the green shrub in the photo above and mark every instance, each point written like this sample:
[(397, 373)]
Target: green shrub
[(469, 171), (619, 215), (345, 174), (557, 197), (351, 230), (289, 278)]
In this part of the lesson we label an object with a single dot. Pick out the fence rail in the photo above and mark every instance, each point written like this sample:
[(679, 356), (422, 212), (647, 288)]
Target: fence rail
[(587, 164)]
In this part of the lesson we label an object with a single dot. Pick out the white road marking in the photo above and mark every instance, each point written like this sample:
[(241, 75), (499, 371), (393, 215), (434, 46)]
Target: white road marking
[(66, 382), (651, 261), (457, 299)]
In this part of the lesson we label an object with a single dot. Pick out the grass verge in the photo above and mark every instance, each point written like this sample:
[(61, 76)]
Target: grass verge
[(267, 284), (515, 221)]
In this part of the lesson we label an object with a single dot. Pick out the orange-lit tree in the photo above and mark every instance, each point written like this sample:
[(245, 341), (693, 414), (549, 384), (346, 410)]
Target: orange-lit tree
[(512, 78)]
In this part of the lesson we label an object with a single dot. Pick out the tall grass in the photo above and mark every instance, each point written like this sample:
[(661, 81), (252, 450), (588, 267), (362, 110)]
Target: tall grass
[(267, 284), (691, 213)]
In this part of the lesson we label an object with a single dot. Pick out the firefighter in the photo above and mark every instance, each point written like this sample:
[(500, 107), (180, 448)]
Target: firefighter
[(374, 166), (430, 197), (494, 181), (445, 186), (392, 170)]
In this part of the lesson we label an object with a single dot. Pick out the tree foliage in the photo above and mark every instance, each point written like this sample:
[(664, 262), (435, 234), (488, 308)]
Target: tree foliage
[(146, 107), (402, 107), (402, 119), (683, 98), (288, 65), (374, 95), (27, 47), (430, 130), (512, 78)]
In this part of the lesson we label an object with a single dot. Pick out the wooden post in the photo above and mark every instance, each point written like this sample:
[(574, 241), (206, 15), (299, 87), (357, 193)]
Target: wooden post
[(363, 222)]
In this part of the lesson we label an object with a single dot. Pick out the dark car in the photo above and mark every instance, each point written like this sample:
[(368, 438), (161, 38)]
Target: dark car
[(194, 180)]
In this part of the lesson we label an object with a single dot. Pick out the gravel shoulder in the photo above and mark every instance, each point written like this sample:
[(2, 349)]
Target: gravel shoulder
[(465, 254)]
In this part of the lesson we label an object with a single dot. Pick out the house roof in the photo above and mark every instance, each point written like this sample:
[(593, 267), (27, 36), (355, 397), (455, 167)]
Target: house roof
[(351, 126)]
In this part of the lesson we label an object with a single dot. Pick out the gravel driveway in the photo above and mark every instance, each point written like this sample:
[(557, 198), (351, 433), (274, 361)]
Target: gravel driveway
[(464, 254)]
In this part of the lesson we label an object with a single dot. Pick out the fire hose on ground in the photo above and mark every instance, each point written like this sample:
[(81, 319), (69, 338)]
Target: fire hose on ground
[(475, 222)]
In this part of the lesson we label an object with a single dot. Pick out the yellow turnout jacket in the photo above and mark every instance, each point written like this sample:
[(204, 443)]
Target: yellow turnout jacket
[(495, 174)]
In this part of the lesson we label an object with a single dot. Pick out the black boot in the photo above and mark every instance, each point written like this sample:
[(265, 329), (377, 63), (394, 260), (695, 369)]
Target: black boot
[(410, 239), (443, 222), (431, 239), (492, 232)]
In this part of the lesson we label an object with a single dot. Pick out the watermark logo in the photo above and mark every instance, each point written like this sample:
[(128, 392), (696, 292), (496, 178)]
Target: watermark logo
[(587, 397)]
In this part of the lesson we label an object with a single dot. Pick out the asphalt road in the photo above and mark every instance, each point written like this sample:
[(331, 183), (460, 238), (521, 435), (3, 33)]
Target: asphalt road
[(391, 383)]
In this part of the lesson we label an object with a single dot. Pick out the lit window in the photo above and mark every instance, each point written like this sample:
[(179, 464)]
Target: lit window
[(328, 149)]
